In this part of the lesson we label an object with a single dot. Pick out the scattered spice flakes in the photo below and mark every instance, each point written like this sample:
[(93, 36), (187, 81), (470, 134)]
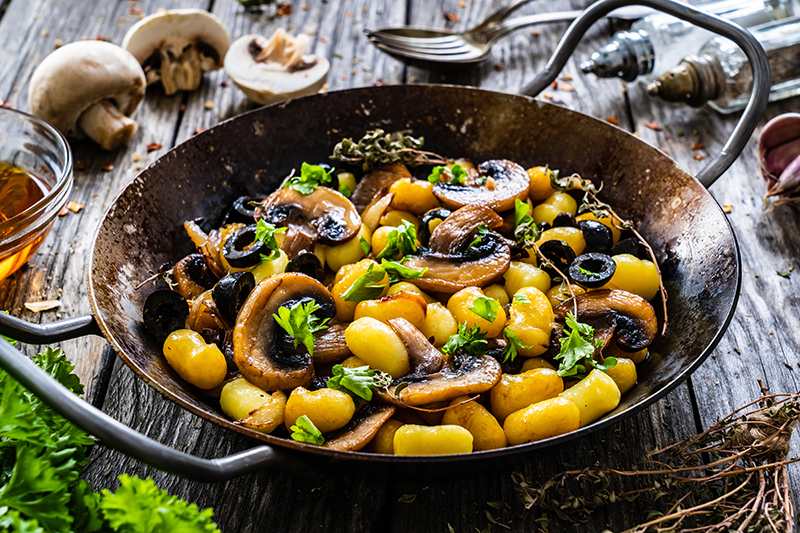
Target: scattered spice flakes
[(348, 14), (612, 120), (224, 84), (568, 77), (499, 66), (697, 146), (182, 108), (554, 85), (64, 211), (79, 166), (698, 157), (567, 87), (5, 103), (787, 365), (152, 147), (304, 7), (209, 104), (549, 96), (136, 158), (344, 77), (727, 208), (462, 4), (784, 274), (135, 11), (324, 40), (201, 130), (452, 17), (652, 125), (59, 43), (139, 166), (284, 9), (536, 33), (108, 167), (46, 305), (74, 206)]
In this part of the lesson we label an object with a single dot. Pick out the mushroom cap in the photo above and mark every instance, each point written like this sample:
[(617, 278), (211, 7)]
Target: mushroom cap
[(509, 181), (269, 82), (178, 29), (78, 75)]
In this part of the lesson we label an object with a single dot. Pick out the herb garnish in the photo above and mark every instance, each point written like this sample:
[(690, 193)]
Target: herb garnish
[(526, 232), (364, 245), (300, 323), (311, 177), (486, 308), (472, 341), (379, 148), (265, 233), (436, 174), (358, 382), (458, 176), (579, 345), (397, 271), (521, 299), (345, 190), (367, 286), (304, 430), (588, 272), (482, 230), (514, 345), (400, 241)]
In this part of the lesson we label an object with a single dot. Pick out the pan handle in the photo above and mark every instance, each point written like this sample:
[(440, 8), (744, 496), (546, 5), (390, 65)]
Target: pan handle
[(755, 54), (62, 330), (120, 437)]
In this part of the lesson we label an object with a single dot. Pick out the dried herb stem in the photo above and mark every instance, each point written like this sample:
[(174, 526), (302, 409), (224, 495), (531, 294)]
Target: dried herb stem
[(565, 278)]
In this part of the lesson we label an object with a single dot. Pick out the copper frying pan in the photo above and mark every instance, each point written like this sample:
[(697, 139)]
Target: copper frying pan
[(250, 154)]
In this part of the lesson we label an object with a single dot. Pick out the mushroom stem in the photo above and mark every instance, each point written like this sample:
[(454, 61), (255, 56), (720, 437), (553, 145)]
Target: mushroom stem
[(106, 125), (167, 78), (187, 71)]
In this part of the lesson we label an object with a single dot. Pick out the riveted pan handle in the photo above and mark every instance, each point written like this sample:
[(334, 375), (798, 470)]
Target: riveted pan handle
[(755, 54)]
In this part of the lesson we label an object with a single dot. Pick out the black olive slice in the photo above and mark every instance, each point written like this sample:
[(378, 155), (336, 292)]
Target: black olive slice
[(241, 250), (243, 210), (544, 226), (559, 253), (424, 232), (230, 293), (164, 312), (307, 263), (597, 236), (592, 270), (630, 246), (564, 220)]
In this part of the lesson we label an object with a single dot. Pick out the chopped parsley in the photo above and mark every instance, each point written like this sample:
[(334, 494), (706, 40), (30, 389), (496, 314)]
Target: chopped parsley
[(577, 350), (304, 430), (482, 230), (514, 345), (345, 190), (472, 341), (458, 176), (265, 233), (367, 286), (436, 175), (364, 245), (397, 271), (525, 230), (486, 308), (521, 299), (400, 241), (358, 382), (300, 323), (310, 178), (588, 272)]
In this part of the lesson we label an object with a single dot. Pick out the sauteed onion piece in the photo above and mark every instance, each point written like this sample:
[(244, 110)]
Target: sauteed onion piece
[(372, 184), (361, 429), (502, 182)]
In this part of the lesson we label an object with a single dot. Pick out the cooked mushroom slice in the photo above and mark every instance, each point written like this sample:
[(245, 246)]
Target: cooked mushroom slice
[(630, 317), (89, 89), (460, 255), (424, 357), (498, 183), (323, 216), (260, 349), (462, 375), (177, 46), (378, 179), (193, 276), (361, 429), (434, 216), (330, 346)]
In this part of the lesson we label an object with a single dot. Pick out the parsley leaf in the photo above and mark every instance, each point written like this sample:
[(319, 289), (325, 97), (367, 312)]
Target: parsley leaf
[(304, 430), (397, 271), (366, 287), (486, 308), (310, 178), (436, 175), (358, 382), (458, 176), (526, 232), (345, 190), (400, 241), (300, 323), (472, 341), (482, 230), (364, 245), (513, 346), (588, 272), (265, 232), (521, 299), (578, 345)]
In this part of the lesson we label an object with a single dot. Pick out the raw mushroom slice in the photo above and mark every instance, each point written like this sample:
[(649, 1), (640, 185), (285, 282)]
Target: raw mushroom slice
[(497, 184), (177, 46), (275, 69), (89, 89)]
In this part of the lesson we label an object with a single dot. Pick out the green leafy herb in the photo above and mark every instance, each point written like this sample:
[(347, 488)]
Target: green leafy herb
[(459, 175), (482, 230), (784, 274), (265, 232), (486, 308), (12, 342), (300, 323), (588, 272), (304, 430), (397, 271), (472, 341), (367, 286), (514, 345), (379, 148), (481, 179), (364, 245), (400, 241), (358, 382), (436, 174), (310, 178), (579, 346), (521, 299), (525, 230), (345, 190)]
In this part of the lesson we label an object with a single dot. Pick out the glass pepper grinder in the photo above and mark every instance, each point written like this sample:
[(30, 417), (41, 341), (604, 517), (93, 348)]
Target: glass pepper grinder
[(658, 42), (720, 73)]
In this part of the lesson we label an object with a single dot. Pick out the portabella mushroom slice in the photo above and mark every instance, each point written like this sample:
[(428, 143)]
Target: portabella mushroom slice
[(260, 347), (89, 89), (497, 184), (275, 69), (631, 318), (361, 429), (455, 260), (177, 46), (324, 216)]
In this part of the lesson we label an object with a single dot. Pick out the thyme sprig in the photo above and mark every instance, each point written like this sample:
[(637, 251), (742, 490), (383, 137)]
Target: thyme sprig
[(379, 148)]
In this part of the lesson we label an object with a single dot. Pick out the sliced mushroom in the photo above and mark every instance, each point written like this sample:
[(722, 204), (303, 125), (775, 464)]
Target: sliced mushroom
[(454, 260), (498, 183), (379, 178), (193, 276), (361, 429), (324, 216), (424, 357), (260, 349), (275, 69), (330, 346), (89, 89), (177, 46), (629, 318)]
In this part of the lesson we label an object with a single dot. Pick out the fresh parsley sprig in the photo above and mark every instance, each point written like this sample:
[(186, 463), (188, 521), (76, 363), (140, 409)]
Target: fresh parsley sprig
[(457, 174), (470, 341), (310, 178), (304, 430), (526, 232), (265, 233), (300, 323), (577, 350), (368, 286), (397, 271), (513, 346), (486, 308), (400, 241), (358, 382), (482, 230)]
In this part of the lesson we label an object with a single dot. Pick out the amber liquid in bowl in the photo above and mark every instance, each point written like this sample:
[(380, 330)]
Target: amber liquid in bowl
[(19, 190)]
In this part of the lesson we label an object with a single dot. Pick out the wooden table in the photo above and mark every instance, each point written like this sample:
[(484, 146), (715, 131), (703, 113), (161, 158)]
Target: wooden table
[(761, 343)]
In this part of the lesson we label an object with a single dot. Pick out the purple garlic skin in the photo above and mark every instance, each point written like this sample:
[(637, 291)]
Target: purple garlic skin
[(779, 154)]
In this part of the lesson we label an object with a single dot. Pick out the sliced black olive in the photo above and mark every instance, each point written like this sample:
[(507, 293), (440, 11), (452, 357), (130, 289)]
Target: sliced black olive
[(597, 236), (230, 293), (243, 210), (424, 232), (592, 270), (559, 253), (164, 312), (308, 264), (564, 220), (630, 246), (241, 250), (544, 226)]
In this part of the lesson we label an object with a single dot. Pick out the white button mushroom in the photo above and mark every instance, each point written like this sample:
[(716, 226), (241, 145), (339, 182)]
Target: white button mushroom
[(177, 46), (272, 70), (89, 88)]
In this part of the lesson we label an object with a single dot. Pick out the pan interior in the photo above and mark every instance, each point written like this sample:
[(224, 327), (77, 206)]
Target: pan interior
[(252, 153)]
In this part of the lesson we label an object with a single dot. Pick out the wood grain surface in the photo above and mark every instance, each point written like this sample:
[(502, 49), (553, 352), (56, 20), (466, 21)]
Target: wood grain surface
[(761, 343)]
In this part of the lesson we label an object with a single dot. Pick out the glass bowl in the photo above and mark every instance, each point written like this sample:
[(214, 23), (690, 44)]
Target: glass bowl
[(33, 146)]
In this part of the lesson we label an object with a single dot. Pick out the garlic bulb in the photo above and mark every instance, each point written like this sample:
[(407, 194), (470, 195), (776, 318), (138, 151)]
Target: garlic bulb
[(779, 153)]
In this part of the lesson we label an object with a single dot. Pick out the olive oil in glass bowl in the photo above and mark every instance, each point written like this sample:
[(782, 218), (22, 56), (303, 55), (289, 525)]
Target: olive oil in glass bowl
[(35, 181)]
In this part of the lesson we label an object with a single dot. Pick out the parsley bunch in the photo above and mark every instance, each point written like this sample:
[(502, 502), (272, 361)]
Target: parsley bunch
[(397, 271), (486, 308), (577, 350), (513, 346), (310, 178), (525, 230), (367, 287), (304, 430), (400, 241), (265, 233), (300, 323)]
